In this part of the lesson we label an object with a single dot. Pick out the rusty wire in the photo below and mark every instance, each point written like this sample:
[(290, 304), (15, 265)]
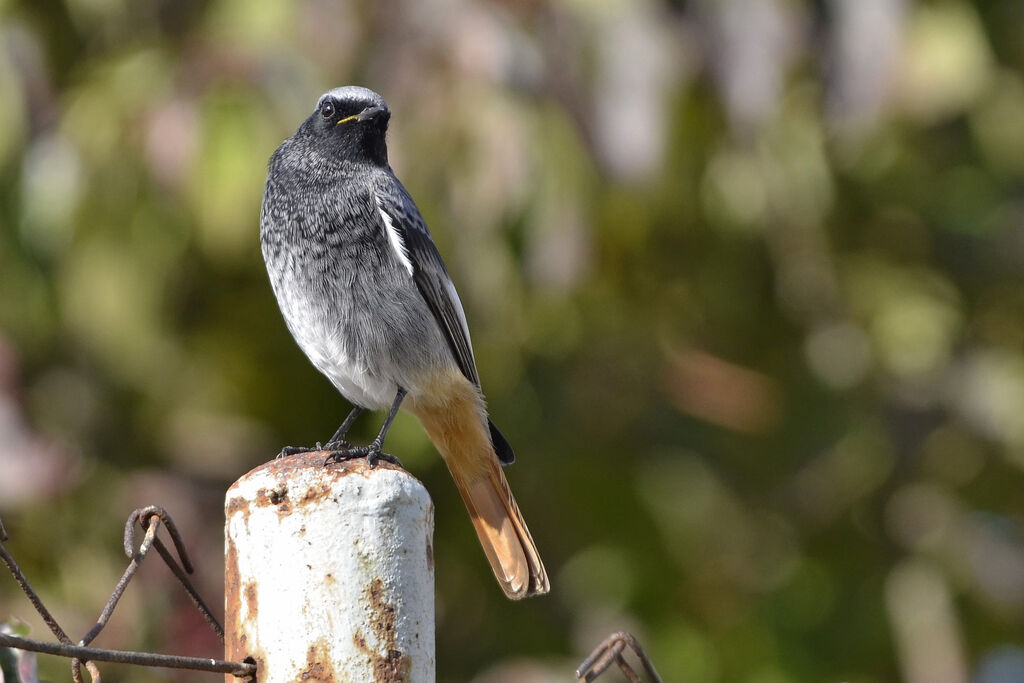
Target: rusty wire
[(240, 669), (146, 516), (150, 519), (609, 652)]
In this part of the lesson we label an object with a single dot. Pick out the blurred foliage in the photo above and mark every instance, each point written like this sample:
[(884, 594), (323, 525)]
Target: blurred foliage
[(16, 666), (745, 283)]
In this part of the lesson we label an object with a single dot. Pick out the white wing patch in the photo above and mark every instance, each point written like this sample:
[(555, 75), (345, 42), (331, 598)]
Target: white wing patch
[(457, 305), (401, 253)]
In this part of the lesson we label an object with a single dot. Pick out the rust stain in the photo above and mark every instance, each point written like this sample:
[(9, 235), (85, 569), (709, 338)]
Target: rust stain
[(430, 552), (390, 664), (282, 468), (266, 497), (318, 664), (231, 584), (236, 505), (277, 497), (235, 637), (251, 600), (315, 494)]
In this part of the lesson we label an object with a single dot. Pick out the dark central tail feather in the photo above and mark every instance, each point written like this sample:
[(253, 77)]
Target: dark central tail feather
[(501, 446)]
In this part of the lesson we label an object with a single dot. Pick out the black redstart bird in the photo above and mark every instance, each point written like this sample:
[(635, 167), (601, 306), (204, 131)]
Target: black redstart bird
[(367, 297)]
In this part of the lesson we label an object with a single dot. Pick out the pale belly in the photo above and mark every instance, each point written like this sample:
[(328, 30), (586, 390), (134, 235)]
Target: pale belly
[(359, 384), (368, 339)]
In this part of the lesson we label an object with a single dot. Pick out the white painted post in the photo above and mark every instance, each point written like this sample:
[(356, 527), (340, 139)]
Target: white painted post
[(329, 572)]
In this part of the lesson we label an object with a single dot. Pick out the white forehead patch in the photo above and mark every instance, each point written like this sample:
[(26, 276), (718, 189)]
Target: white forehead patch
[(355, 94)]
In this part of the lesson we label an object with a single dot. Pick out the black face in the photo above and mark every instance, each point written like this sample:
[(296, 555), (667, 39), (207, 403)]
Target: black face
[(353, 123)]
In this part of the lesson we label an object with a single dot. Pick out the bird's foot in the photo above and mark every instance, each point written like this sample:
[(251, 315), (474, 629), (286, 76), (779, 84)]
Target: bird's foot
[(372, 453), (295, 450)]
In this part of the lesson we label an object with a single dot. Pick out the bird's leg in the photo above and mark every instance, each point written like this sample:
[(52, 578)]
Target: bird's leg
[(372, 452), (337, 441)]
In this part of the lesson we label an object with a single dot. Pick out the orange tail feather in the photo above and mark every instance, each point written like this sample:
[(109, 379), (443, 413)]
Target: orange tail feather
[(458, 430)]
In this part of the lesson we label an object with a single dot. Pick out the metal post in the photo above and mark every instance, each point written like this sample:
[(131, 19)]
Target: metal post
[(329, 572)]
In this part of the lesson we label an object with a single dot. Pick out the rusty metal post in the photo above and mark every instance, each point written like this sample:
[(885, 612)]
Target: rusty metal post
[(329, 572)]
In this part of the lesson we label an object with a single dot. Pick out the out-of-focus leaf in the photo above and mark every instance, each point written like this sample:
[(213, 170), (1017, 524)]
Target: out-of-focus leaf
[(17, 666)]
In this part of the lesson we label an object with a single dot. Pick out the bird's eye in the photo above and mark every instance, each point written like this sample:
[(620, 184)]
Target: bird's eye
[(327, 109)]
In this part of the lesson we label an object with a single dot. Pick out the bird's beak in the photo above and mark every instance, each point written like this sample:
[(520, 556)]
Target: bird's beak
[(369, 113), (354, 117)]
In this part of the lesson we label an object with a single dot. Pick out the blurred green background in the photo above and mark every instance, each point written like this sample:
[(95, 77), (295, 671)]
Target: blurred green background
[(745, 285)]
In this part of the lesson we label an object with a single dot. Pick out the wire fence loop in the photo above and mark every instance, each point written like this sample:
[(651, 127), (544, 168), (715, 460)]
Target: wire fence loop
[(609, 652), (149, 519)]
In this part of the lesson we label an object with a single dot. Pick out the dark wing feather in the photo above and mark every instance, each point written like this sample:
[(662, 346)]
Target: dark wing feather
[(429, 273), (435, 285)]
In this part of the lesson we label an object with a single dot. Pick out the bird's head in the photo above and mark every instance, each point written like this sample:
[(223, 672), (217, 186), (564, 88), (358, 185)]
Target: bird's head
[(351, 122)]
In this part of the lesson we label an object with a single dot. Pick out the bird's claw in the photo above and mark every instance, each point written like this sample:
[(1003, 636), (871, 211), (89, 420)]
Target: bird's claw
[(295, 450), (329, 446), (386, 457), (372, 453)]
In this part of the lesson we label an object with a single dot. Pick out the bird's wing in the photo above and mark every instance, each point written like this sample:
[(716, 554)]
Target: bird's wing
[(415, 250)]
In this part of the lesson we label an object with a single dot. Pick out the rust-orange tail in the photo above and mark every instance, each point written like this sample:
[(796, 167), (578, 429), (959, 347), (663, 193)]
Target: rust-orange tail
[(458, 428)]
